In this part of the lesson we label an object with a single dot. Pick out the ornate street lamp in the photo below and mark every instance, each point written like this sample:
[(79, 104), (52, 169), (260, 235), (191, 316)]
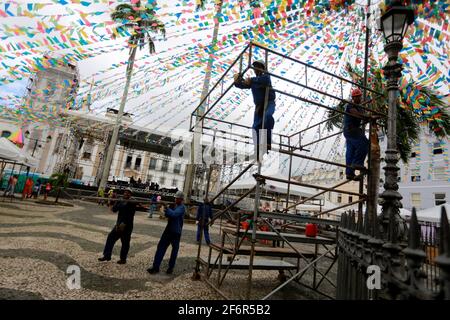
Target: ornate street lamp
[(394, 24)]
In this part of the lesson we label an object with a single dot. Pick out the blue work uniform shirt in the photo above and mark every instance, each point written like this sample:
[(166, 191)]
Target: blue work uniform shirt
[(208, 212), (258, 86), (352, 125), (176, 217)]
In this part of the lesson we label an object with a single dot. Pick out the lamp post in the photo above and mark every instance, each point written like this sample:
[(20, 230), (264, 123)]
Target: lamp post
[(394, 23), (27, 135)]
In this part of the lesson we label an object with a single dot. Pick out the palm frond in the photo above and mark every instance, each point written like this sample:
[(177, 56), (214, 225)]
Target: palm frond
[(140, 21), (122, 12), (151, 44), (200, 5), (408, 131), (335, 118)]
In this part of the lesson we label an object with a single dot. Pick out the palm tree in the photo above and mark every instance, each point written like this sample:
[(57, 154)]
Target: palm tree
[(141, 21), (59, 181), (191, 168), (189, 179), (410, 118)]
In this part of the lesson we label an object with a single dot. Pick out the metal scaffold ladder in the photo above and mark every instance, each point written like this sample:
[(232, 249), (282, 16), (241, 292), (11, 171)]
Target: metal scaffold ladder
[(236, 240)]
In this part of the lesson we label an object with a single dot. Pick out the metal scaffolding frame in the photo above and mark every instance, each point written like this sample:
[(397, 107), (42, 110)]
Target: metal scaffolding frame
[(292, 146)]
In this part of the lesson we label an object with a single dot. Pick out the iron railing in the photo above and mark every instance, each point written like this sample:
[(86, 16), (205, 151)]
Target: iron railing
[(418, 268)]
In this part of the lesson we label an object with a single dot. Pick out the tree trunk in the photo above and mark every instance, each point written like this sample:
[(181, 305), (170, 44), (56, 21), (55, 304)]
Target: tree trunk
[(115, 134), (195, 146), (374, 176), (57, 195)]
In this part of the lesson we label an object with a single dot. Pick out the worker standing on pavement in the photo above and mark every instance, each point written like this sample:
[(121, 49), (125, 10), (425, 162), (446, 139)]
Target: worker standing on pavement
[(122, 229), (204, 213), (171, 235)]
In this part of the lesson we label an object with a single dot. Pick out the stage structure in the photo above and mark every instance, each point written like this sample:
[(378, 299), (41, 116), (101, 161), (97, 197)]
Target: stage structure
[(233, 233)]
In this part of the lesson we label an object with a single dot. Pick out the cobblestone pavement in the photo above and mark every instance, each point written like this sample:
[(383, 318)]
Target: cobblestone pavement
[(39, 242)]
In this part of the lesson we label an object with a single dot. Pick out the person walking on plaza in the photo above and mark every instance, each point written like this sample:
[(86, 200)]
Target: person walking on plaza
[(111, 196), (204, 213), (101, 195), (357, 144), (122, 229), (171, 235), (152, 206), (27, 189), (48, 188), (259, 85), (36, 189), (11, 186)]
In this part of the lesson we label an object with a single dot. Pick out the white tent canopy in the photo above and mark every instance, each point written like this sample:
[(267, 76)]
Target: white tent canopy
[(9, 151), (403, 212), (432, 214)]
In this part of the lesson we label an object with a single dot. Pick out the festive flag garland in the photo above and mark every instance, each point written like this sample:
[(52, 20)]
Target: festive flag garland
[(273, 23)]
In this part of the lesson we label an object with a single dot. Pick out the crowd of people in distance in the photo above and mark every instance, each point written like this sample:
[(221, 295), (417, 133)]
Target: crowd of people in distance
[(31, 188), (138, 184)]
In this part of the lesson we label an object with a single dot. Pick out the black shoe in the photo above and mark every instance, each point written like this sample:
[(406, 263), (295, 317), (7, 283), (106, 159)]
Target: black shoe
[(169, 271), (360, 168), (121, 261), (152, 270), (350, 176), (104, 259), (358, 177)]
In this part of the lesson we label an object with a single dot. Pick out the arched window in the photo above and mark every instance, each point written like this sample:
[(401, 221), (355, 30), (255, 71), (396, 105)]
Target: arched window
[(6, 133)]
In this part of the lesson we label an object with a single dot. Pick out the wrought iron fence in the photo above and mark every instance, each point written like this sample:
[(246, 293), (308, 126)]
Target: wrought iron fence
[(429, 238), (416, 268)]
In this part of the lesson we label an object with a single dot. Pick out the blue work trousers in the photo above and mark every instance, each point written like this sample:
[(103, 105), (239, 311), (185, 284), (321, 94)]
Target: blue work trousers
[(357, 146), (205, 232), (266, 133), (167, 238)]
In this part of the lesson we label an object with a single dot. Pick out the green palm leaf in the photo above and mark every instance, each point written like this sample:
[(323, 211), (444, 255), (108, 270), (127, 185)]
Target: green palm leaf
[(141, 22)]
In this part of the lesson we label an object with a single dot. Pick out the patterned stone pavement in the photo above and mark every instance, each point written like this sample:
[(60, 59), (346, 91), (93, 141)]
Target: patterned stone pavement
[(39, 242)]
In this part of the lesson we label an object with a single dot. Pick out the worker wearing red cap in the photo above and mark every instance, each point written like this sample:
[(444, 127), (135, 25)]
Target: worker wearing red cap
[(356, 142)]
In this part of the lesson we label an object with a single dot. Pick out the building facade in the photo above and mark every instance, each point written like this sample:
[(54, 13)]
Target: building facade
[(328, 177), (51, 90), (129, 163), (424, 181)]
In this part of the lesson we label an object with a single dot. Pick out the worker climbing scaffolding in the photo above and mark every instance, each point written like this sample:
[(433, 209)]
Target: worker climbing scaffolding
[(263, 122), (357, 143)]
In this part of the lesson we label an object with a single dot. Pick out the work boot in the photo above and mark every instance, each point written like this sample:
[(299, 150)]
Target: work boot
[(350, 176), (169, 271), (360, 168), (104, 259), (152, 270), (121, 261)]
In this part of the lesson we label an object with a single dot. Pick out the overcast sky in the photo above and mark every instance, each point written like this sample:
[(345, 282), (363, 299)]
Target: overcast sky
[(163, 99)]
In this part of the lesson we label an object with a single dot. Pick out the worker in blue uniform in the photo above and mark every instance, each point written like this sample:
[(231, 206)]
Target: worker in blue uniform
[(259, 84), (123, 228), (171, 235), (357, 144), (204, 213)]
